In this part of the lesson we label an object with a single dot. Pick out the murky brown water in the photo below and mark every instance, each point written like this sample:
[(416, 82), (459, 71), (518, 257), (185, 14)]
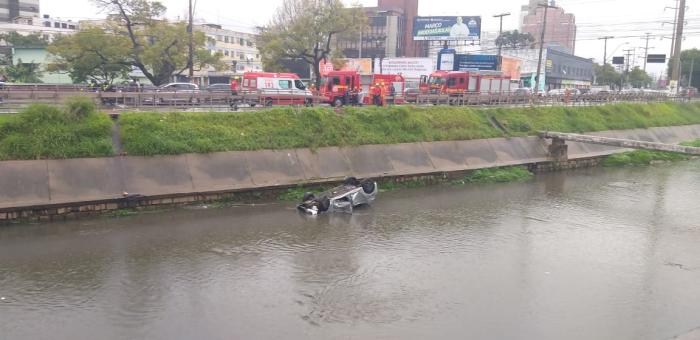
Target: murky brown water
[(598, 254)]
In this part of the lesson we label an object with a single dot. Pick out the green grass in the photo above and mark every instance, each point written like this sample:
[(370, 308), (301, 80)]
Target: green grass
[(42, 131), (496, 175), (280, 128), (646, 157), (296, 194), (7, 118)]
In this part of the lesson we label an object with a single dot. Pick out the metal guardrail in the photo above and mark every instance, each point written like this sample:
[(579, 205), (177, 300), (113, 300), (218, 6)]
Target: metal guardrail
[(16, 97)]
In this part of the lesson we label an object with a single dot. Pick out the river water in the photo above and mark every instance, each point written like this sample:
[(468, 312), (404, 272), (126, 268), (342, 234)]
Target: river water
[(593, 254)]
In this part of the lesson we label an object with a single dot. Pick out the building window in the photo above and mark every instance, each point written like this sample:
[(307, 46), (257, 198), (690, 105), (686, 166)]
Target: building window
[(71, 27), (241, 41), (47, 24), (63, 25), (57, 25), (226, 53), (226, 39)]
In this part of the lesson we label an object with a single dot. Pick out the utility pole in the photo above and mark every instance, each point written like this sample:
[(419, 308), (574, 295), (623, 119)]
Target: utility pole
[(673, 37), (500, 31), (605, 48), (628, 61), (690, 76), (190, 31), (546, 6), (646, 50), (680, 22)]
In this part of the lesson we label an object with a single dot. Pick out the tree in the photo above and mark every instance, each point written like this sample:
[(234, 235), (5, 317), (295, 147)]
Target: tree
[(689, 57), (91, 55), (17, 40), (158, 48), (305, 29), (515, 40), (23, 72), (606, 75), (638, 78)]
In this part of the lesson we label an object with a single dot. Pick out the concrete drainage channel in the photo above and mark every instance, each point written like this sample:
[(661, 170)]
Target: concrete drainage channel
[(56, 189)]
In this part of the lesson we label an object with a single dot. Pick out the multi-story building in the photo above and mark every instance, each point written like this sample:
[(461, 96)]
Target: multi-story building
[(11, 9), (390, 32), (237, 47), (46, 27), (560, 32)]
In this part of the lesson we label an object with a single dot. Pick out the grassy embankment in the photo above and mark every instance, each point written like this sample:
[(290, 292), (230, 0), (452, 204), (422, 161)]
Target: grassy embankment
[(42, 131), (646, 157), (174, 133)]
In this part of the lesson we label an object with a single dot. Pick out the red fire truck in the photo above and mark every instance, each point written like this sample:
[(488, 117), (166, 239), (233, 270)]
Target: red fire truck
[(461, 82), (276, 88), (345, 87)]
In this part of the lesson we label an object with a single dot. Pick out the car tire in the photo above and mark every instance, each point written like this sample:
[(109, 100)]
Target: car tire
[(338, 102), (268, 102), (368, 186), (308, 197), (324, 203), (351, 181)]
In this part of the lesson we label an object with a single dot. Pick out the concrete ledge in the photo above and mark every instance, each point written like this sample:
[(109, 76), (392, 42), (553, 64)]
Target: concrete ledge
[(96, 184), (24, 183)]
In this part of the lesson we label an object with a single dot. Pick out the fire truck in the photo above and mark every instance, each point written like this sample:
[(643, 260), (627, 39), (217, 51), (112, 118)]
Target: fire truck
[(461, 82), (345, 87), (276, 88)]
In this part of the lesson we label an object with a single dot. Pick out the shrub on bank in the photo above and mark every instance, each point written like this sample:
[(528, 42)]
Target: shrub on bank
[(42, 131)]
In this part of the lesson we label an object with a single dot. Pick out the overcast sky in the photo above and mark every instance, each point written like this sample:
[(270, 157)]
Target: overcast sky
[(595, 18)]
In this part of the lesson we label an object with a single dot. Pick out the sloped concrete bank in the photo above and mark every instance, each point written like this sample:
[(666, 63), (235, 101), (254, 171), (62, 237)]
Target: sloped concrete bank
[(48, 189)]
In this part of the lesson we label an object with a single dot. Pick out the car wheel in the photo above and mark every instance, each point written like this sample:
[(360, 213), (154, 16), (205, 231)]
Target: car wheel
[(268, 102), (351, 181), (368, 186), (308, 197), (324, 203), (338, 102)]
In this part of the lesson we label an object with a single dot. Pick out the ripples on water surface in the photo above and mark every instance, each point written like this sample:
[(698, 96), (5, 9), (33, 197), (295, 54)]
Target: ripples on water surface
[(598, 254)]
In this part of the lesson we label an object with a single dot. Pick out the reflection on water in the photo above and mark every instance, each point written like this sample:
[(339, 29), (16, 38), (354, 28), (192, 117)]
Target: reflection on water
[(594, 254)]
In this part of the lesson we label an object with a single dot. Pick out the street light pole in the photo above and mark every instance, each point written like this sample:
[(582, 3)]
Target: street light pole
[(539, 59), (500, 31), (190, 56)]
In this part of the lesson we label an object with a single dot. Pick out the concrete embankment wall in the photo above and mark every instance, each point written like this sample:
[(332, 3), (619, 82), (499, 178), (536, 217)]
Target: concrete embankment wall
[(46, 188)]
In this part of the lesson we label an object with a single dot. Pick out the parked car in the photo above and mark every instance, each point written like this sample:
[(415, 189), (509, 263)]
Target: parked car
[(411, 94), (175, 93), (522, 91), (343, 198), (221, 87)]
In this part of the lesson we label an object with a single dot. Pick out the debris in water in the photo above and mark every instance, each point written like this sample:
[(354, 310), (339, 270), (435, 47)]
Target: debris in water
[(536, 219)]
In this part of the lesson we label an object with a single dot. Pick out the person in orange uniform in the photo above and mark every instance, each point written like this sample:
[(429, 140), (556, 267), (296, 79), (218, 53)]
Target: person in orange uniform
[(376, 91), (234, 86)]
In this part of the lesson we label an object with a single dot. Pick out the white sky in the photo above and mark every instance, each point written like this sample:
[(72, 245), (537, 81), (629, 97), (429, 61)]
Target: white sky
[(595, 18)]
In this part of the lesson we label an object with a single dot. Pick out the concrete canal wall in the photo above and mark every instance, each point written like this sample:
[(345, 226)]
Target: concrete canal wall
[(46, 189)]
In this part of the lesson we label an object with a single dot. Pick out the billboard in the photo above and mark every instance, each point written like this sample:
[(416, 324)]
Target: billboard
[(477, 62), (618, 60), (408, 67), (511, 67), (447, 28), (362, 66)]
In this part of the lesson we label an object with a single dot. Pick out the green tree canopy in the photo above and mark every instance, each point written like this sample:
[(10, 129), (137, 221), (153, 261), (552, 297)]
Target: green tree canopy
[(17, 40), (305, 29), (688, 58), (638, 78), (156, 47), (606, 75), (91, 55), (515, 39), (23, 72)]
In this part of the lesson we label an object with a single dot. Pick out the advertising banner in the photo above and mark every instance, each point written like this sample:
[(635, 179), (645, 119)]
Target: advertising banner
[(447, 28), (408, 67), (511, 67), (477, 62), (361, 65), (446, 59)]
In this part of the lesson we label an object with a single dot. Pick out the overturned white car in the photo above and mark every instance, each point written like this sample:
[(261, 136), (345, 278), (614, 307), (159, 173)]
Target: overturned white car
[(342, 198)]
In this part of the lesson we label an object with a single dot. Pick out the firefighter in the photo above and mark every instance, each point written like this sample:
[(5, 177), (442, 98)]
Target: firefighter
[(234, 86), (376, 92)]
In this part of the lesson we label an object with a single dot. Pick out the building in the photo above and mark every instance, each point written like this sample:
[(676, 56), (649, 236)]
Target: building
[(558, 69), (390, 33), (39, 55), (47, 28), (11, 9), (561, 26), (238, 50)]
